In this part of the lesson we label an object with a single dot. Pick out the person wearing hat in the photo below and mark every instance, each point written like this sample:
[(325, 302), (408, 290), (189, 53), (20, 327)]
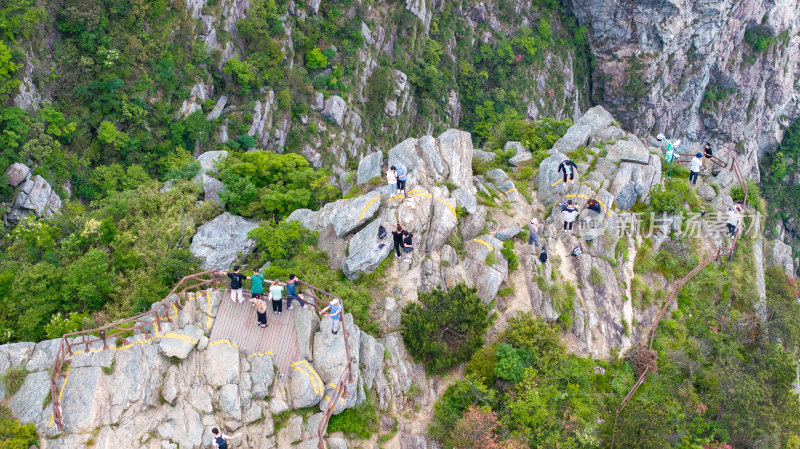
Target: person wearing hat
[(694, 168), (533, 232), (671, 147), (336, 314)]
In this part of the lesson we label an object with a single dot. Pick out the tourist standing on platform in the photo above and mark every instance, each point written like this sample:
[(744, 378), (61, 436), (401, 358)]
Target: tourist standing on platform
[(391, 179), (291, 293), (261, 311), (276, 295), (336, 315), (236, 283), (257, 287)]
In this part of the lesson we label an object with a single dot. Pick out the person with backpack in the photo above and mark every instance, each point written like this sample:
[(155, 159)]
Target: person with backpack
[(391, 178), (276, 295), (220, 439), (291, 293), (402, 173), (569, 212), (335, 315), (594, 206), (236, 283), (397, 237), (261, 311), (543, 255), (568, 167), (694, 168)]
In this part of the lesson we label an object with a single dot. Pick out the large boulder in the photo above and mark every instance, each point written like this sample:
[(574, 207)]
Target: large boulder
[(305, 386), (26, 404), (16, 173), (628, 151), (521, 155), (363, 254), (180, 343), (221, 364), (455, 147), (219, 242), (334, 110), (36, 195), (596, 118), (262, 373), (218, 108), (209, 159), (508, 233), (575, 137), (305, 324), (466, 200), (229, 402), (330, 357), (782, 257), (84, 400), (369, 167), (355, 213), (548, 179), (211, 188)]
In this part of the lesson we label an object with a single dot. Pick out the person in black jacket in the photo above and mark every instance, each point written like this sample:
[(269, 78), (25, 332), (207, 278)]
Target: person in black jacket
[(408, 246), (708, 153), (397, 237), (568, 167)]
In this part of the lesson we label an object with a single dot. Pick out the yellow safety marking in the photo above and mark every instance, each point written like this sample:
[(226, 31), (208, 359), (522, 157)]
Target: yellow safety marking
[(556, 183), (452, 209), (364, 211), (260, 354), (216, 342), (586, 197), (180, 337), (301, 366), (208, 317), (82, 351), (482, 242), (513, 189)]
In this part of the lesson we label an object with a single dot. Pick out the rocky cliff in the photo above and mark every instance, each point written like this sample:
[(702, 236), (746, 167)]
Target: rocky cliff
[(718, 71)]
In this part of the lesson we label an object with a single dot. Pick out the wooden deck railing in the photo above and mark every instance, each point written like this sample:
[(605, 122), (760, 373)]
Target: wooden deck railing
[(150, 321), (728, 251)]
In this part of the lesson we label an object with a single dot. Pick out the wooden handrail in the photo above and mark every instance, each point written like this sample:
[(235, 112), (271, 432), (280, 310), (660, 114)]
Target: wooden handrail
[(734, 166)]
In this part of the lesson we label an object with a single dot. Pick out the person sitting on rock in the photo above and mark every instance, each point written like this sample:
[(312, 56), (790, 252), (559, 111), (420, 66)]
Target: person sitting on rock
[(694, 168), (336, 315), (220, 439), (568, 167), (570, 213), (594, 206)]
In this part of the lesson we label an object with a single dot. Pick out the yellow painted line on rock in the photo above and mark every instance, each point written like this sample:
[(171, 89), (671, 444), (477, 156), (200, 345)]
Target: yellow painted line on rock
[(306, 369), (216, 342), (260, 354), (208, 317), (60, 394), (513, 189), (364, 211), (556, 183), (180, 337), (484, 243), (452, 209)]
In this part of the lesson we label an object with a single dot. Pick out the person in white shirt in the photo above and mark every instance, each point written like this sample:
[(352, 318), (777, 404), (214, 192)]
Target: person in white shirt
[(694, 168), (391, 178), (734, 217)]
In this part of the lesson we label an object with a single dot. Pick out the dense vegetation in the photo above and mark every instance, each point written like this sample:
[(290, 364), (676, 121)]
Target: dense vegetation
[(782, 195), (723, 376)]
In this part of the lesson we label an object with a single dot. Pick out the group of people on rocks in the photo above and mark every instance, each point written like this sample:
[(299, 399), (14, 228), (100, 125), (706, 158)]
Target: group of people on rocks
[(275, 295)]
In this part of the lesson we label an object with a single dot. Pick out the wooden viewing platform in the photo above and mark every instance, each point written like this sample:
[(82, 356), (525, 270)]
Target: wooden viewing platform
[(236, 323)]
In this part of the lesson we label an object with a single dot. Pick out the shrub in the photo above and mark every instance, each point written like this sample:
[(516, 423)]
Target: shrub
[(456, 399), (510, 255), (510, 363), (480, 427), (445, 327), (759, 37), (315, 59), (534, 334), (13, 379), (596, 277), (361, 421), (753, 198), (13, 434), (282, 241), (481, 365)]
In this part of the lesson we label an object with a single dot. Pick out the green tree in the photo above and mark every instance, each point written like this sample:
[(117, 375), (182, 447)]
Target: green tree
[(315, 59), (7, 71), (107, 133), (281, 241), (13, 434), (445, 327)]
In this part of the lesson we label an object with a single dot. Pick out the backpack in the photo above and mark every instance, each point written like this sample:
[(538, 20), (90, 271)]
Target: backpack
[(381, 232), (543, 256), (577, 251), (221, 443)]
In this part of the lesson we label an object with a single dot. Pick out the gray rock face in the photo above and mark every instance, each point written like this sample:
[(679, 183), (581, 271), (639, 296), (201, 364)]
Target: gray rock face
[(16, 173), (305, 324), (355, 213), (305, 386), (36, 195), (471, 226), (262, 373), (219, 242), (706, 192), (508, 233), (484, 156), (521, 156), (211, 188), (218, 108), (362, 257), (626, 197), (221, 364), (318, 102), (466, 200), (782, 257), (576, 137), (334, 110), (547, 179), (229, 402), (596, 118), (626, 151), (180, 343), (330, 357), (369, 167), (413, 441), (26, 405), (209, 159)]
